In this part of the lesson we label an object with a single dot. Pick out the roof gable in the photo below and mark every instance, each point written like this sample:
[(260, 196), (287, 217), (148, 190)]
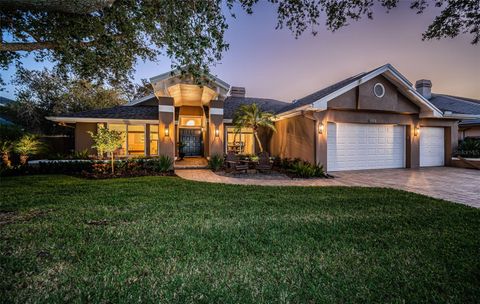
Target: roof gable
[(319, 100)]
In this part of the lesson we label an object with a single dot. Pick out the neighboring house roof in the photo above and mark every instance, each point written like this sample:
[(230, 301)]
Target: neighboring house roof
[(119, 112), (470, 123), (5, 100), (6, 122), (310, 99), (232, 103), (456, 105), (142, 100)]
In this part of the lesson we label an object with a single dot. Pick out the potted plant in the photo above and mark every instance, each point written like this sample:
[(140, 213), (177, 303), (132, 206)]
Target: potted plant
[(181, 152), (27, 146)]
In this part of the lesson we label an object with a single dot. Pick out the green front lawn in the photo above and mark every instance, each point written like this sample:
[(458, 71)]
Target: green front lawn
[(163, 239)]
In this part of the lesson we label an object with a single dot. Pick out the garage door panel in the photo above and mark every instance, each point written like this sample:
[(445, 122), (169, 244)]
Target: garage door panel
[(365, 146), (432, 146)]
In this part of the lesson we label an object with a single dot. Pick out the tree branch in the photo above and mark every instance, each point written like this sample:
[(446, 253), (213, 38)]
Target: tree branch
[(26, 46)]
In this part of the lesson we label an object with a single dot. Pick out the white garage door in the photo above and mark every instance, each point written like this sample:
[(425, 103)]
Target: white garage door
[(432, 147), (365, 146)]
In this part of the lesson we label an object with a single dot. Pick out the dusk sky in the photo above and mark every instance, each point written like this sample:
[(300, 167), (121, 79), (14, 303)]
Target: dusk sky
[(272, 63)]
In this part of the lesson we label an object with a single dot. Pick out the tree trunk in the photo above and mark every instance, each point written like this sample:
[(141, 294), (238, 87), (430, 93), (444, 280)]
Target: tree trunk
[(6, 159), (23, 159), (258, 140), (113, 164)]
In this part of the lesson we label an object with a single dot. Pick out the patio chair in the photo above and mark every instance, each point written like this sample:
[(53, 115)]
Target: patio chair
[(232, 164), (264, 164)]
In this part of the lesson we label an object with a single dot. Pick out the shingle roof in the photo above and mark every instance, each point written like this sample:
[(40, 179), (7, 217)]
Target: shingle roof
[(120, 112), (457, 105), (309, 99), (269, 105), (470, 122)]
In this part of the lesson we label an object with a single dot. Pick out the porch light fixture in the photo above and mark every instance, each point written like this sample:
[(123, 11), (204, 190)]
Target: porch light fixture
[(167, 131), (320, 128), (416, 131), (217, 132)]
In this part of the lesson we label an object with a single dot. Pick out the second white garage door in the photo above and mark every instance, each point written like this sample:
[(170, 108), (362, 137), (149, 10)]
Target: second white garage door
[(432, 146), (365, 146)]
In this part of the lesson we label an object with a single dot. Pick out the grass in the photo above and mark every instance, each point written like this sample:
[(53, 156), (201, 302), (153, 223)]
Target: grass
[(163, 239)]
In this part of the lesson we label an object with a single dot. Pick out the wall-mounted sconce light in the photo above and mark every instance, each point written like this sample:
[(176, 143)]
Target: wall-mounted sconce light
[(167, 131), (217, 132), (416, 131), (320, 128), (203, 129)]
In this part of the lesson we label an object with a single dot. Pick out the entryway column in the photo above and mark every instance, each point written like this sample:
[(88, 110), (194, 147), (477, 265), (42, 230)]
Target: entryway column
[(166, 119), (320, 133), (215, 128)]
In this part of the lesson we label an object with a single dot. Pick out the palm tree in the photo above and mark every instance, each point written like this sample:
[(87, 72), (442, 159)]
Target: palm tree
[(28, 145), (251, 116)]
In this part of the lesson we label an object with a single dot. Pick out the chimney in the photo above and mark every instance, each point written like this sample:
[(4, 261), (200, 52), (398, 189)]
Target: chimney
[(424, 87), (237, 91)]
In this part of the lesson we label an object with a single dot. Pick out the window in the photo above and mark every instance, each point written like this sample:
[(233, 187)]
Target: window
[(379, 90), (121, 128), (241, 142), (190, 121), (136, 140), (153, 139)]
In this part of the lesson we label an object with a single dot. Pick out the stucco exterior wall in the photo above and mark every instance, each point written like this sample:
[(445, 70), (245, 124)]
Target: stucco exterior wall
[(469, 132), (294, 138), (83, 140)]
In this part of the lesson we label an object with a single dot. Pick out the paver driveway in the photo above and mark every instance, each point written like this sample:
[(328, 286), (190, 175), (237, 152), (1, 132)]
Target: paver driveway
[(452, 184)]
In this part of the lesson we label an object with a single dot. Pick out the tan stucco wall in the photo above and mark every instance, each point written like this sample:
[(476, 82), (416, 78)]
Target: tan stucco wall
[(216, 144), (83, 140), (167, 144), (294, 138), (469, 132)]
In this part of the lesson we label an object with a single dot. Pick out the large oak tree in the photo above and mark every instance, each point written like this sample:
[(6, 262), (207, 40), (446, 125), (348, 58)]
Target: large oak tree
[(104, 41)]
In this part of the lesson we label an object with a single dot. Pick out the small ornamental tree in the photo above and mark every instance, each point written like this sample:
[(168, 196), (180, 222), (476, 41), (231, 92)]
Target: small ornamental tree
[(5, 149), (27, 146), (108, 141)]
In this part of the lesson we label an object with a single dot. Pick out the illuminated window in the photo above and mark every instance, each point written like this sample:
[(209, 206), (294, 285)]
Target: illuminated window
[(136, 139), (153, 139), (241, 142), (121, 128), (190, 121)]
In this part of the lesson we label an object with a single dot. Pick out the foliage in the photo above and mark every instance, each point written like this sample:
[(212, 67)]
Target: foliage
[(6, 147), (469, 147), (27, 146), (164, 164), (10, 133), (89, 44), (299, 168), (216, 162), (252, 116), (96, 169), (302, 244), (108, 141), (47, 93)]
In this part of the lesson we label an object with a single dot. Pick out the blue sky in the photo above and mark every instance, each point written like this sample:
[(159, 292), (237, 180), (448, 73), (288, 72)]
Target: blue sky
[(272, 63)]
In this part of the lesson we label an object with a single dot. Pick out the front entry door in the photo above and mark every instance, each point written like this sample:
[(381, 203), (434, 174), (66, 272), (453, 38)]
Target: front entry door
[(192, 138)]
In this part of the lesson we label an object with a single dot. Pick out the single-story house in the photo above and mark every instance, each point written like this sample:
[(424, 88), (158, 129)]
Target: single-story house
[(373, 120)]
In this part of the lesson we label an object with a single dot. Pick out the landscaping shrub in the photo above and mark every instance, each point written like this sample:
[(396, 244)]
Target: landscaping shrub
[(469, 147), (306, 170), (215, 162), (298, 168), (163, 164)]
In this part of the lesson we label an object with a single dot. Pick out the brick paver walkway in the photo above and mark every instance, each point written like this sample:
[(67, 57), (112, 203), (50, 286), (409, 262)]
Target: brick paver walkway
[(452, 184)]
